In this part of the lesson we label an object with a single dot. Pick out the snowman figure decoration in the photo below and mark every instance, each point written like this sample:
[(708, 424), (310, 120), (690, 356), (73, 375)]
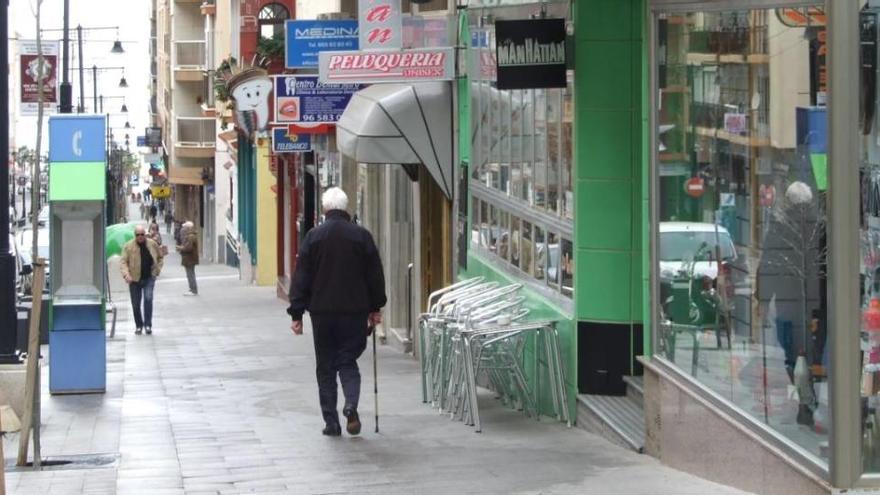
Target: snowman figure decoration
[(250, 89)]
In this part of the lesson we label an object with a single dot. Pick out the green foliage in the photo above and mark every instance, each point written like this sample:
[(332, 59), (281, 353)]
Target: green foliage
[(271, 48), (224, 72)]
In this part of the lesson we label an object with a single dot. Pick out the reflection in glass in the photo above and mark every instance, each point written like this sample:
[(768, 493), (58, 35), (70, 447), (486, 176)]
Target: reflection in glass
[(540, 253), (741, 169), (527, 250), (567, 268), (870, 241), (515, 241), (504, 235), (553, 270)]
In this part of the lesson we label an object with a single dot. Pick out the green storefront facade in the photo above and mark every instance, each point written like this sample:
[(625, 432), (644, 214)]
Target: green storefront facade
[(704, 138), (598, 140)]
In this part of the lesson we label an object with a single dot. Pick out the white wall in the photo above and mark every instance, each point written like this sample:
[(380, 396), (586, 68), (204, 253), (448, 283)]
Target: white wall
[(789, 80), (309, 9)]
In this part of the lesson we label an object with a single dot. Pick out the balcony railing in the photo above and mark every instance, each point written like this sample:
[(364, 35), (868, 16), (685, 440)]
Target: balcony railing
[(190, 55), (196, 132)]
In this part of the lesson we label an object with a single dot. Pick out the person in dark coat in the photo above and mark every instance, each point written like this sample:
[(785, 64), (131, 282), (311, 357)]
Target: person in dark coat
[(189, 256), (339, 281)]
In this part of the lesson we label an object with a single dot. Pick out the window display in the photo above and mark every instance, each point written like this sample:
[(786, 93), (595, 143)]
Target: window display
[(741, 240), (521, 166), (869, 173)]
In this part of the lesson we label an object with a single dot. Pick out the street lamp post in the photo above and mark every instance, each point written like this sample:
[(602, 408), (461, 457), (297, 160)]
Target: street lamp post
[(66, 91), (8, 313)]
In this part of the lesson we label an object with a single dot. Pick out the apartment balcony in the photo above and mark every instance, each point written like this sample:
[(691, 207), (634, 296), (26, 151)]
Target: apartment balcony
[(189, 60), (195, 137)]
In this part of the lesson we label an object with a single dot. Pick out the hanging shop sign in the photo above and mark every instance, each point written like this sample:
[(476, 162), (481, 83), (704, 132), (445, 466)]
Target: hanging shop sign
[(250, 88), (31, 75), (418, 65), (305, 99), (530, 53), (160, 192), (303, 128), (153, 136), (381, 24), (304, 40), (285, 142)]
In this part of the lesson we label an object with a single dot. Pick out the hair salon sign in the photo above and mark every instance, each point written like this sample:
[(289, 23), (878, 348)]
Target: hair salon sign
[(530, 53), (428, 64), (381, 25)]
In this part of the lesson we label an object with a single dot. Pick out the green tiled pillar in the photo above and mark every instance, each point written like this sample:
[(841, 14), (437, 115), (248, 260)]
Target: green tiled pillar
[(609, 135)]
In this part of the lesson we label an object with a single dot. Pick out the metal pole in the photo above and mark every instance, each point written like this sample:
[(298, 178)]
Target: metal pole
[(95, 87), (82, 86), (8, 314), (66, 92)]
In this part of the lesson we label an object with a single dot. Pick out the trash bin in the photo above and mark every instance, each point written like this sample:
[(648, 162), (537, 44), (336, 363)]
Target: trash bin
[(44, 320)]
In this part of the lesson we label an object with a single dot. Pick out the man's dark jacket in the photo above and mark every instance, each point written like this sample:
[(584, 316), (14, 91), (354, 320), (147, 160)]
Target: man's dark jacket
[(338, 270)]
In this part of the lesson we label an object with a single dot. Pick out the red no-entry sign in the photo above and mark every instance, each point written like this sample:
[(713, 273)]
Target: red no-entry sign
[(695, 187)]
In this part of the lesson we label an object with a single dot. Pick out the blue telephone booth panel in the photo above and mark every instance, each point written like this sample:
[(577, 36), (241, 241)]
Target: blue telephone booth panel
[(77, 362)]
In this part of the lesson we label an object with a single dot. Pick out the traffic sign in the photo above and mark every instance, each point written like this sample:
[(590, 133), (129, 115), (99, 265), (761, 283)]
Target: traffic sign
[(695, 187)]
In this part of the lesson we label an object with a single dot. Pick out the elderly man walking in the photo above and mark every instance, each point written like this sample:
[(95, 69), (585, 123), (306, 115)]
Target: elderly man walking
[(339, 280), (189, 255), (140, 265)]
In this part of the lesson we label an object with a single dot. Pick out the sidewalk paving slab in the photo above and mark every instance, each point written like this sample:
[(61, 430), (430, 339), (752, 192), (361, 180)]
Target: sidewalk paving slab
[(222, 399)]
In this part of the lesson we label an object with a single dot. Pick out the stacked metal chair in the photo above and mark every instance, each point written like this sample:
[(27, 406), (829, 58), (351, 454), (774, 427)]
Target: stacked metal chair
[(476, 331)]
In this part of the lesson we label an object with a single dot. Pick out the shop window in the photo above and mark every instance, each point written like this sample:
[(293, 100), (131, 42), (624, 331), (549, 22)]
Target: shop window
[(741, 173), (521, 171), (869, 286)]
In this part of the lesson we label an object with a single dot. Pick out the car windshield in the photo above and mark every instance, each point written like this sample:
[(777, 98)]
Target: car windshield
[(698, 246)]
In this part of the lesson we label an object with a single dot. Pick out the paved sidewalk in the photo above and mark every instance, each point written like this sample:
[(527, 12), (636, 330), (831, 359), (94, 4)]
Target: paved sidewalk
[(222, 399)]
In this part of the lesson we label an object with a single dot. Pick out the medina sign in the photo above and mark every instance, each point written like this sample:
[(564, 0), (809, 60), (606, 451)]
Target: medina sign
[(530, 53), (304, 40)]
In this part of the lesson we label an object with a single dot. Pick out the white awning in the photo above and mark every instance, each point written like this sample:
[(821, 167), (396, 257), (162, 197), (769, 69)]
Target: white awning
[(401, 123)]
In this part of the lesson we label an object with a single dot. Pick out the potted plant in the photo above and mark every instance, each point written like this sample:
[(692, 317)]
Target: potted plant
[(271, 51)]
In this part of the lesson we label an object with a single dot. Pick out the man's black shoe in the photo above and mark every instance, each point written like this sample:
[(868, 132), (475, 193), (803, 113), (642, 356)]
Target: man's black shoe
[(137, 331), (332, 430), (353, 427)]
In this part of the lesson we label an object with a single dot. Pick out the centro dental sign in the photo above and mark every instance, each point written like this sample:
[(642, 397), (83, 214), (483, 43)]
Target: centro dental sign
[(426, 64)]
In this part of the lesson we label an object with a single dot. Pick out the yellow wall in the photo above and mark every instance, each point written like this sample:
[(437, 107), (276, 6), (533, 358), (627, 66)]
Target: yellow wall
[(267, 218)]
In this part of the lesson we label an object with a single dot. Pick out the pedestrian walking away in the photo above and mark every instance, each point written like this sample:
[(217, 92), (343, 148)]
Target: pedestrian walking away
[(153, 212), (154, 234), (339, 281), (189, 255), (141, 263), (169, 220)]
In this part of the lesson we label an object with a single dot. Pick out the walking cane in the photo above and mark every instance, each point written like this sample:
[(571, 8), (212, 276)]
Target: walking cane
[(375, 379)]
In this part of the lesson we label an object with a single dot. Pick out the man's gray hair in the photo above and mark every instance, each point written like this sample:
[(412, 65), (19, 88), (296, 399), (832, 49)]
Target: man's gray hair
[(334, 198), (188, 224)]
